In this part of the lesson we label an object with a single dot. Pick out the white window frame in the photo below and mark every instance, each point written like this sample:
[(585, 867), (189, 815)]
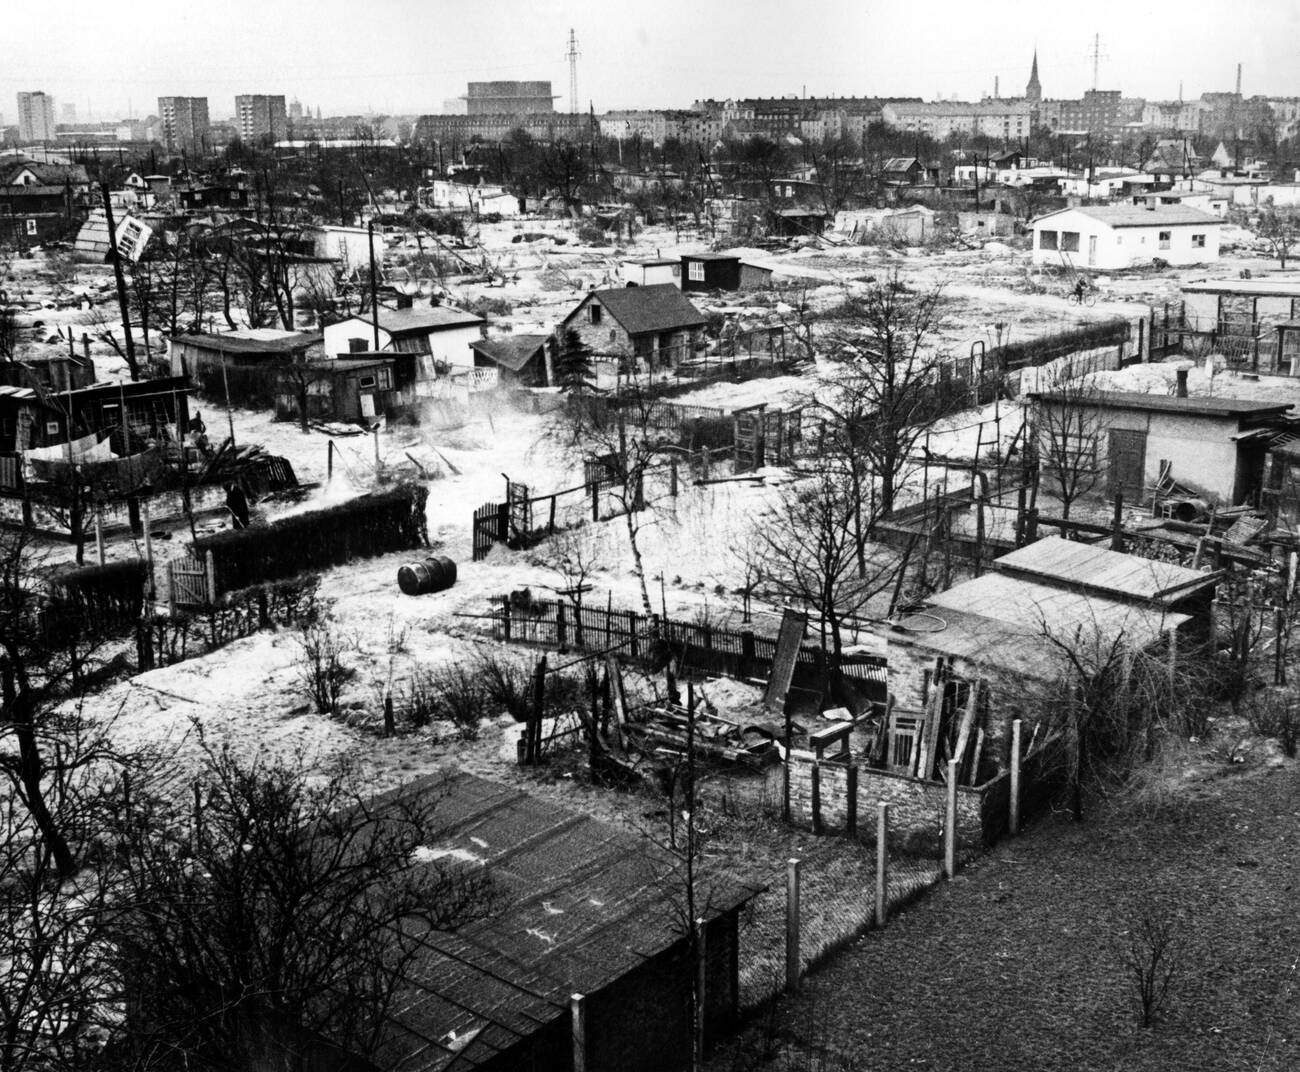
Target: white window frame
[(695, 271), (31, 227), (1165, 239), (1198, 241)]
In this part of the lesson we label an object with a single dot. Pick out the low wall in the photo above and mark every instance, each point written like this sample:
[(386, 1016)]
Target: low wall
[(917, 807)]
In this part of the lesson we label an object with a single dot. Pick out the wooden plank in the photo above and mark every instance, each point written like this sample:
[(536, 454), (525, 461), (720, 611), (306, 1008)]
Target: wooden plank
[(934, 711), (975, 757), (788, 642), (967, 722)]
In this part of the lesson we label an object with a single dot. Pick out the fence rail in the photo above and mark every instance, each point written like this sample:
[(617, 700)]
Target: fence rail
[(698, 647)]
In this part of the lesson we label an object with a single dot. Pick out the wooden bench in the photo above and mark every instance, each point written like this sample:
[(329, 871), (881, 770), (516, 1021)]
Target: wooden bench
[(835, 733)]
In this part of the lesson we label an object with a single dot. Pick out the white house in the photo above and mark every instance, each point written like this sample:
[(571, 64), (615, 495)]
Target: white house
[(350, 246), (439, 330), (1120, 236), (646, 273)]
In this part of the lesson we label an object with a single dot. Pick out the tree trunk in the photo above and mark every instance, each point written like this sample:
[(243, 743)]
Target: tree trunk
[(31, 769)]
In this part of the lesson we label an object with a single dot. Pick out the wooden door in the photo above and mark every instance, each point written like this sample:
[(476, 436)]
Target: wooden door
[(1127, 456)]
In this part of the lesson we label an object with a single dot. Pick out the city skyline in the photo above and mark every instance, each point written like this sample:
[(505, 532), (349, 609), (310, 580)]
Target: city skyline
[(407, 59)]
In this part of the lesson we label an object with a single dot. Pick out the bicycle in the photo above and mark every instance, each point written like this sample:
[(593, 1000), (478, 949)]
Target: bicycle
[(1086, 297)]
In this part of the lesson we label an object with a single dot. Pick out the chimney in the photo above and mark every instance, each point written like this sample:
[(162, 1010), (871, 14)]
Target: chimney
[(1181, 390)]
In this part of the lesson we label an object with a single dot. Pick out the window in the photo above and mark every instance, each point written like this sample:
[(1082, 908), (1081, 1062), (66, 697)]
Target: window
[(1070, 241), (1198, 241), (677, 270), (1165, 237), (594, 312), (31, 227), (367, 381), (51, 427), (695, 271), (1046, 239)]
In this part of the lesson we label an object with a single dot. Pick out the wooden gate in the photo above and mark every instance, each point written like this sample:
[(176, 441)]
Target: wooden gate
[(520, 511), (749, 438), (190, 582), (491, 526)]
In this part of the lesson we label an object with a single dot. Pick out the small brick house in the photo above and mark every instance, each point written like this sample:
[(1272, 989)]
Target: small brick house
[(654, 326)]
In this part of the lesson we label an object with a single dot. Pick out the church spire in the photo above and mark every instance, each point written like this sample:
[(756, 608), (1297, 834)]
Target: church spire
[(1034, 90)]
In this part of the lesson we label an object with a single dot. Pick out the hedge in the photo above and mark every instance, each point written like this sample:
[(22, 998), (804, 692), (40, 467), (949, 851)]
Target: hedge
[(375, 524), (97, 601), (1035, 352)]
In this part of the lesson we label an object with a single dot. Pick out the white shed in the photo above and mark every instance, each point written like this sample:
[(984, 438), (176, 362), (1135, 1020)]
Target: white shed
[(441, 331), (646, 273), (1120, 236)]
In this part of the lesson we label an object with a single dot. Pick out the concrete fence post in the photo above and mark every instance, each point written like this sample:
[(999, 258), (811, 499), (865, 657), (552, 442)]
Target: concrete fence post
[(792, 925), (950, 823), (578, 1021), (816, 774), (851, 804), (701, 980), (882, 863), (1013, 819)]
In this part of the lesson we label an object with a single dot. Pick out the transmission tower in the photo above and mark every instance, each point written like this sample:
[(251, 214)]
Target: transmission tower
[(572, 56), (1096, 53)]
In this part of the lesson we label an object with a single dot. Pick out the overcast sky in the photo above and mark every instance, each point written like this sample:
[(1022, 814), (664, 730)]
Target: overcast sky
[(407, 56)]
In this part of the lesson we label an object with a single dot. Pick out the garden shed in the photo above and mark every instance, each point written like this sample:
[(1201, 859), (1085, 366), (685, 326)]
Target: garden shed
[(587, 909), (519, 359)]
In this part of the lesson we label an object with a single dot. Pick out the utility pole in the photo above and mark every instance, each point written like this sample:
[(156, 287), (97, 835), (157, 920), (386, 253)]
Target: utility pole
[(123, 306), (374, 302)]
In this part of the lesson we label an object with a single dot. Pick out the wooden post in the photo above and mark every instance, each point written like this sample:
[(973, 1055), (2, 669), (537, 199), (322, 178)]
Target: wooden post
[(1020, 517), (816, 797), (792, 925), (851, 805), (379, 465), (210, 577), (950, 824), (505, 618), (882, 863), (230, 420), (1279, 646), (329, 461), (701, 982), (672, 478), (99, 534), (123, 303), (578, 1023), (1013, 819), (561, 632), (148, 545), (390, 726), (1117, 524)]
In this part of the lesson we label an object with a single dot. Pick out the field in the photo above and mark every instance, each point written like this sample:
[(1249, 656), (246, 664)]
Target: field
[(1019, 963)]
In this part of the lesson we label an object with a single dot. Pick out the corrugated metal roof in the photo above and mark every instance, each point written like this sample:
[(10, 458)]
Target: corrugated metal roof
[(1090, 567), (584, 903)]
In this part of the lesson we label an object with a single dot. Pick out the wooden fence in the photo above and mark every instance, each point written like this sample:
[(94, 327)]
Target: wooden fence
[(699, 647)]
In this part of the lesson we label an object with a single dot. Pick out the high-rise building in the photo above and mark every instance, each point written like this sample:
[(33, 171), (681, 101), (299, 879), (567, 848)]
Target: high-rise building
[(185, 122), (35, 116), (259, 116), (295, 109), (509, 98)]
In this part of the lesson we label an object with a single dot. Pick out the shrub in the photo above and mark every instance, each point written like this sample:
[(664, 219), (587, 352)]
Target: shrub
[(459, 696), (1276, 713), (1151, 957), (321, 668)]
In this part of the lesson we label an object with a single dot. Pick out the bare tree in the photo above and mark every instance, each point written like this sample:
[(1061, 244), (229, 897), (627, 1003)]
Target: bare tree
[(286, 912), (1280, 228), (1065, 434), (809, 555), (889, 378), (1152, 957)]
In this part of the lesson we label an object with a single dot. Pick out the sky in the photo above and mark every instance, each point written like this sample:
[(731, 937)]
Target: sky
[(408, 56)]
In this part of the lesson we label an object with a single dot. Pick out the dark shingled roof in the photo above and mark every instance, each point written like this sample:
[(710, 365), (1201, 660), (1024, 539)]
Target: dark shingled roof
[(660, 307), (511, 352), (583, 903)]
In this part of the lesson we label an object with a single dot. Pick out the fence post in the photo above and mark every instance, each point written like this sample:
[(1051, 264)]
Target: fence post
[(560, 630), (632, 646), (210, 576), (99, 534), (578, 1024), (851, 787), (1117, 524), (672, 478), (950, 824), (792, 925), (747, 652), (148, 545), (505, 618), (816, 796), (595, 500), (882, 862), (390, 726), (1013, 820), (701, 980)]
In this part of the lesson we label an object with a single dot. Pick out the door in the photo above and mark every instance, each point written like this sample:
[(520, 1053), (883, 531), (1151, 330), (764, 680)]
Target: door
[(1128, 456), (1092, 251), (368, 405)]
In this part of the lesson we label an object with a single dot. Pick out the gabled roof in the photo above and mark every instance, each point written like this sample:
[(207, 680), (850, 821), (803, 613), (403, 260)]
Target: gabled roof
[(403, 322), (1137, 216), (511, 352), (901, 163), (638, 310)]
